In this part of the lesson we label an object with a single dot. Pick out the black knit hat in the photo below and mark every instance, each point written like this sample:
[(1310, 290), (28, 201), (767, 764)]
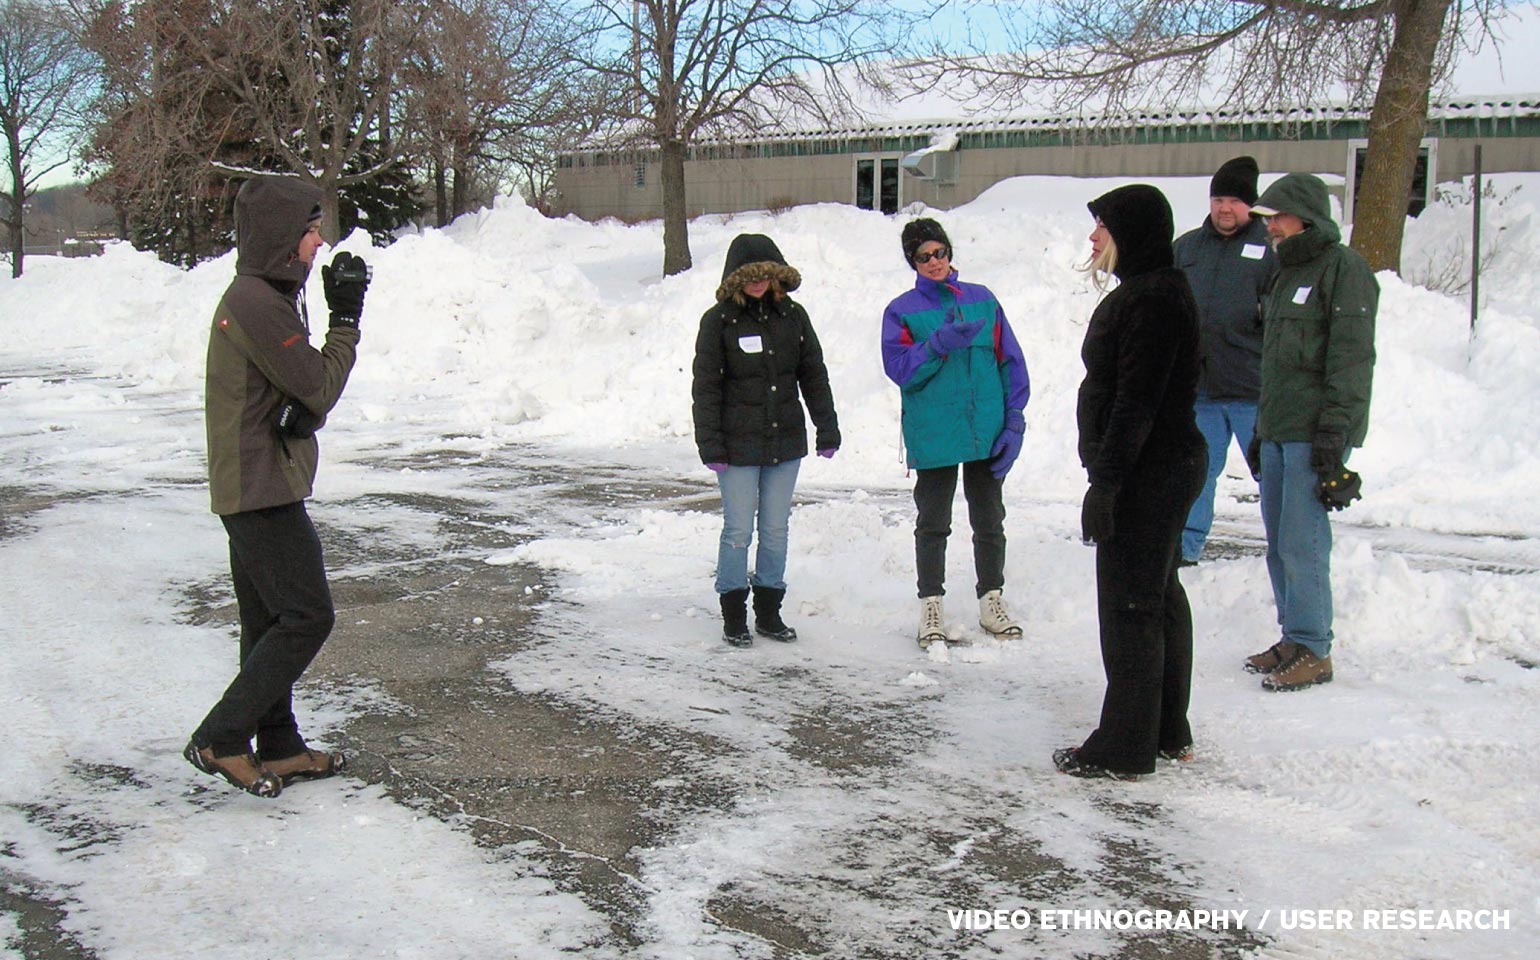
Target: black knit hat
[(1236, 178), (918, 232)]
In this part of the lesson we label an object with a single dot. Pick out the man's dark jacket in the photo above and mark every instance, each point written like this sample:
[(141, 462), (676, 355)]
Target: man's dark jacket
[(1229, 275)]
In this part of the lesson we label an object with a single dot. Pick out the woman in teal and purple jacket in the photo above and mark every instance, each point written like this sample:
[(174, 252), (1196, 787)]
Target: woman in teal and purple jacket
[(964, 386)]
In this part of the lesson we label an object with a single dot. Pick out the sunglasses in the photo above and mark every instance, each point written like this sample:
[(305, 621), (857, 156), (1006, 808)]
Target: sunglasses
[(942, 254)]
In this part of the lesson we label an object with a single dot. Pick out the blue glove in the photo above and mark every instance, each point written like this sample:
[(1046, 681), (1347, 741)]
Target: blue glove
[(1008, 444), (953, 336)]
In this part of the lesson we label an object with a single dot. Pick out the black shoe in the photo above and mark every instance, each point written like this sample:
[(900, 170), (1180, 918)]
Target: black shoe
[(767, 615), (1179, 755), (1184, 562), (735, 618), (1068, 761)]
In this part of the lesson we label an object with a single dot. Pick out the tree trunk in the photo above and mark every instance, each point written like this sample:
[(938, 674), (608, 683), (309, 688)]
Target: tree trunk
[(17, 241), (676, 227), (462, 189), (331, 223), (1396, 127), (440, 195)]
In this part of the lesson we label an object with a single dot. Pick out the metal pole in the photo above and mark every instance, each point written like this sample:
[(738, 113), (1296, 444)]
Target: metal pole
[(1475, 245)]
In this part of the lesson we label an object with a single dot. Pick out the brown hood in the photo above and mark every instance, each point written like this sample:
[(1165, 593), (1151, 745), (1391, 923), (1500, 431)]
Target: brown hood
[(271, 215)]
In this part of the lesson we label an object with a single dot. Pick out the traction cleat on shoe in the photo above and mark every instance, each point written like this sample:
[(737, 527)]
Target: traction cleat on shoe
[(1179, 755), (932, 627), (1068, 761), (1270, 659), (995, 619), (307, 765), (1301, 671), (242, 770)]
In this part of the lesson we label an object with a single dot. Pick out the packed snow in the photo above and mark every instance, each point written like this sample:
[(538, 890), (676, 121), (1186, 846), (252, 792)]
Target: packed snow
[(1406, 784)]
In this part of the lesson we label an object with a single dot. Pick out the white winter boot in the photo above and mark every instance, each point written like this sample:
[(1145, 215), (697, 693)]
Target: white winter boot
[(995, 619), (932, 626)]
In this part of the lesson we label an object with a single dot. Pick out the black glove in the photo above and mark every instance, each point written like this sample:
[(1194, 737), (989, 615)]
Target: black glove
[(1254, 457), (296, 421), (1326, 451), (1096, 515), (345, 282), (1338, 489)]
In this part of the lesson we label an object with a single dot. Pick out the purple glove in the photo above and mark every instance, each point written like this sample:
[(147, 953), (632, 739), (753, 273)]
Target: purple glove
[(953, 336), (716, 467), (1008, 444), (827, 452)]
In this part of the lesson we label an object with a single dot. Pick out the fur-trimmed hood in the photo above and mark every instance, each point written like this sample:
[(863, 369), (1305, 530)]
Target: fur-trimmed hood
[(752, 257)]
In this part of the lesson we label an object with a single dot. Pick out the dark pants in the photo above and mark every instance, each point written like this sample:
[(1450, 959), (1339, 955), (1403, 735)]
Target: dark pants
[(1146, 624), (286, 614), (933, 492)]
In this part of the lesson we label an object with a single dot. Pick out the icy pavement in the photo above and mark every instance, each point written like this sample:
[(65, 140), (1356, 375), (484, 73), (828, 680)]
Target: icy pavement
[(555, 755)]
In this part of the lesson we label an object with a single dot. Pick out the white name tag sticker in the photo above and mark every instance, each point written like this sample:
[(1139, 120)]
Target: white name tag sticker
[(1253, 251), (755, 344), (1301, 295)]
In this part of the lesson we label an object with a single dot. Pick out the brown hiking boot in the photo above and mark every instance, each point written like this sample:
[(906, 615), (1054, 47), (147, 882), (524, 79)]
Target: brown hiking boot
[(1303, 669), (241, 769), (1270, 659), (306, 765)]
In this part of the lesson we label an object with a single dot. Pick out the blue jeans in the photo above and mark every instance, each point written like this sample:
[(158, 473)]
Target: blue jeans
[(747, 492), (1298, 545), (1218, 420)]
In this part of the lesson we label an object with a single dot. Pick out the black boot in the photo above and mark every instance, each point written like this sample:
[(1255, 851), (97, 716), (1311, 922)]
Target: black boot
[(735, 618), (767, 615)]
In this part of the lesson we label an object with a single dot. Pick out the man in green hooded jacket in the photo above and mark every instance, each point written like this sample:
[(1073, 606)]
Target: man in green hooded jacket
[(1317, 369)]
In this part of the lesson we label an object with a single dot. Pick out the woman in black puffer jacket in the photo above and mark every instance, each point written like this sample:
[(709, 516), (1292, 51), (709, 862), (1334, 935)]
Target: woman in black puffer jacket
[(756, 350), (1146, 460)]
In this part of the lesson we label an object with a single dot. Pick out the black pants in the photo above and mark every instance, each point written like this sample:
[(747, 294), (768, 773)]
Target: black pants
[(933, 492), (1146, 624), (286, 614)]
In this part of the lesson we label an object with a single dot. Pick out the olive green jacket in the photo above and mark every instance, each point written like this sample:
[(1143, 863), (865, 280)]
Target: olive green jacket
[(1318, 340), (260, 355)]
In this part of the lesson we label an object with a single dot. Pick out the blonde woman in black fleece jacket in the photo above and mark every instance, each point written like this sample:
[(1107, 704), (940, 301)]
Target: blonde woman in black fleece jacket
[(1145, 459)]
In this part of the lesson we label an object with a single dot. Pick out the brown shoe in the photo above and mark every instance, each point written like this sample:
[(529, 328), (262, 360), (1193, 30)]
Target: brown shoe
[(1270, 659), (241, 769), (306, 765), (1303, 669)]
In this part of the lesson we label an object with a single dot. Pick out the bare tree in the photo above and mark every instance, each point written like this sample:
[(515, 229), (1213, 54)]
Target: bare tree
[(484, 80), (1123, 54), (701, 66), (159, 126), (314, 80), (41, 69)]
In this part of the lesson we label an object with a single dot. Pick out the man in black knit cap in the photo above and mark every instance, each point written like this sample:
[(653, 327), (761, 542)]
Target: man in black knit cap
[(1229, 264)]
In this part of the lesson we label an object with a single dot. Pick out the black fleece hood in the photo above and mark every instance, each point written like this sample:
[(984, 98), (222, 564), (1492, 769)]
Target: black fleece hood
[(752, 257), (271, 215), (1139, 219)]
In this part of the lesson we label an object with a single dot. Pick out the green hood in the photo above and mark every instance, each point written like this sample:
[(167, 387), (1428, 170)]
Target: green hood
[(1305, 197)]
